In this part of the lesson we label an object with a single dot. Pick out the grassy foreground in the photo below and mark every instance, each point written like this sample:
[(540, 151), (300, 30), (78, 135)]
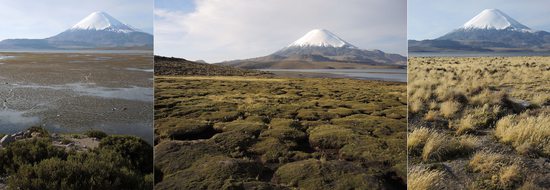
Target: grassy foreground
[(479, 123), (234, 132)]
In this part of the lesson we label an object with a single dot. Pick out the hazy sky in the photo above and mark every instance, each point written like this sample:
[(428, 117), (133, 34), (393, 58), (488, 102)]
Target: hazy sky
[(428, 19), (217, 30), (41, 19)]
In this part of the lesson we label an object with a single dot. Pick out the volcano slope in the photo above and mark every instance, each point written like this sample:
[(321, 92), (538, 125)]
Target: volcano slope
[(479, 123), (266, 132)]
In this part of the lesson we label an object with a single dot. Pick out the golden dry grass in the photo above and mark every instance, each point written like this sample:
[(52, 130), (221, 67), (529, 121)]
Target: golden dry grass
[(417, 138), (486, 162), (503, 172), (449, 108), (419, 178), (510, 175), (431, 115), (527, 133), (460, 105), (435, 146)]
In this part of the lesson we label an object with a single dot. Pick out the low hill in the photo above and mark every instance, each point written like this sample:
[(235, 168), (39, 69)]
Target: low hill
[(179, 66)]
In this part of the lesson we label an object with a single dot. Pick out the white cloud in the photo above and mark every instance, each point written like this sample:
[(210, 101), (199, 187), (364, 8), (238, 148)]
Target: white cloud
[(223, 30)]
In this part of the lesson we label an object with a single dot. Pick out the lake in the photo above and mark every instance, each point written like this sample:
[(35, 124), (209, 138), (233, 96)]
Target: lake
[(476, 54), (396, 75)]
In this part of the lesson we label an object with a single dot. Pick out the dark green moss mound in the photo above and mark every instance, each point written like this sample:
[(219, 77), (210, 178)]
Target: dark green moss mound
[(276, 124), (331, 136), (173, 156), (216, 172), (184, 129), (315, 174)]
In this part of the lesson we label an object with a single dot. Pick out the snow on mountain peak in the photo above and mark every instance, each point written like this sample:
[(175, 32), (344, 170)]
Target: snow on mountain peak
[(494, 19), (102, 21), (322, 38)]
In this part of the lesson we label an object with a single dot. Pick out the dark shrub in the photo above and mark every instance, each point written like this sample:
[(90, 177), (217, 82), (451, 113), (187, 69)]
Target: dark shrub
[(96, 134), (30, 151), (133, 149)]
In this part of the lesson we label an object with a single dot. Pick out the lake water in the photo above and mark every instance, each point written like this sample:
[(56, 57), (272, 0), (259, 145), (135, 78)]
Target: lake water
[(476, 54), (397, 75), (92, 51)]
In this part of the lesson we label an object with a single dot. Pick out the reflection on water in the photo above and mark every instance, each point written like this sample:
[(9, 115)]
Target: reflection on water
[(12, 121), (89, 89), (398, 75), (77, 51), (476, 54), (6, 57), (142, 70)]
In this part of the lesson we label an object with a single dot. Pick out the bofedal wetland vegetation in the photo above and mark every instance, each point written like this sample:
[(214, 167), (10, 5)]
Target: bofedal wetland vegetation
[(270, 132)]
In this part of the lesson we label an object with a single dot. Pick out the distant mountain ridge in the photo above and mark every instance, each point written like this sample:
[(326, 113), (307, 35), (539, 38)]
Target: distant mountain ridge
[(490, 30), (320, 49), (170, 66), (98, 30)]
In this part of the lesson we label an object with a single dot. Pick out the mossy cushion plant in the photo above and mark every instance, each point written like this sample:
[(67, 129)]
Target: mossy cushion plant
[(264, 132)]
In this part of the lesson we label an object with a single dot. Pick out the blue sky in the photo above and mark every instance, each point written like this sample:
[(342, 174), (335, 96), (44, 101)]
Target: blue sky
[(41, 19), (428, 19), (218, 30)]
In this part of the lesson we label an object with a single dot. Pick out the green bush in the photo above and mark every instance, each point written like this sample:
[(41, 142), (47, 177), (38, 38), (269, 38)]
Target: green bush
[(26, 152), (120, 162), (131, 148), (90, 170), (96, 134)]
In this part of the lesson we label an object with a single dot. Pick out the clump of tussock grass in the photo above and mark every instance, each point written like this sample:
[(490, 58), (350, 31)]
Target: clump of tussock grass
[(417, 138), (421, 178), (432, 145), (478, 118), (431, 115), (415, 106), (526, 133), (450, 108), (498, 171)]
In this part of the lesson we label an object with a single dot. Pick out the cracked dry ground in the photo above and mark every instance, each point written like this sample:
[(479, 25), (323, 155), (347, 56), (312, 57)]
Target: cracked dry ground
[(479, 123), (277, 133)]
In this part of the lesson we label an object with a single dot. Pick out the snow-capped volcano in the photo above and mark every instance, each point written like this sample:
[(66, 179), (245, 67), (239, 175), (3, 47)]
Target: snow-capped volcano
[(97, 30), (102, 21), (319, 49), (494, 19), (490, 30), (322, 38)]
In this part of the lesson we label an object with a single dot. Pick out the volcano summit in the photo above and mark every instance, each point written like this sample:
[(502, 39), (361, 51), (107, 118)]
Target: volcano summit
[(320, 49), (98, 30), (490, 30)]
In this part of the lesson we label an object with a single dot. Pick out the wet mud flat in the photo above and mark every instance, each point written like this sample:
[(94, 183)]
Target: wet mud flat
[(75, 92)]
